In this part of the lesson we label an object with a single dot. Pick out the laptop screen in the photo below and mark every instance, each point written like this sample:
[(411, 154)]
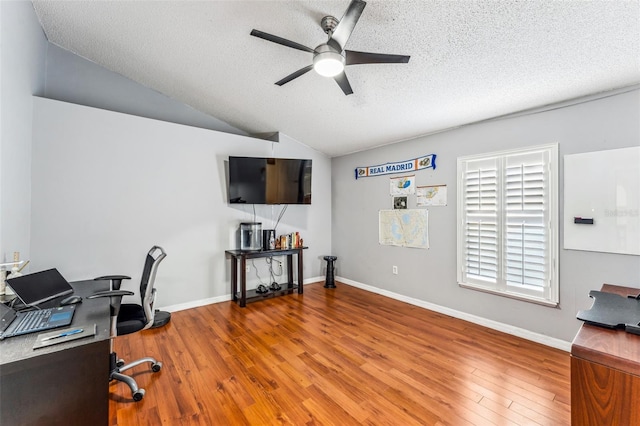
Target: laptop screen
[(40, 286)]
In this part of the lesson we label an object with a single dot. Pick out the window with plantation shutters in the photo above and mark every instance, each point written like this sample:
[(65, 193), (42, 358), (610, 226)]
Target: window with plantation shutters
[(507, 223)]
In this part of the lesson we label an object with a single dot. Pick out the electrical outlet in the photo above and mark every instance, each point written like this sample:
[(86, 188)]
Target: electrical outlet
[(248, 268), (395, 270)]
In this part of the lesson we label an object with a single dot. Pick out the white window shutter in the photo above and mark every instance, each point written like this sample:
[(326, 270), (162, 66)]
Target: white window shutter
[(507, 230), (481, 220), (526, 213)]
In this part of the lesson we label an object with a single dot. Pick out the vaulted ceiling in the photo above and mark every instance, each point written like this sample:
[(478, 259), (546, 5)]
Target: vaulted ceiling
[(470, 60)]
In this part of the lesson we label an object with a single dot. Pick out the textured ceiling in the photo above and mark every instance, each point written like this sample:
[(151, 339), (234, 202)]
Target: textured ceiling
[(470, 60)]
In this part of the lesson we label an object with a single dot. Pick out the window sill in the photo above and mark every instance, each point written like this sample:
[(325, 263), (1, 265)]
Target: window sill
[(522, 297)]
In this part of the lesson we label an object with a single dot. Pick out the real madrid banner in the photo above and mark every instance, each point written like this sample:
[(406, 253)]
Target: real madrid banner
[(426, 162)]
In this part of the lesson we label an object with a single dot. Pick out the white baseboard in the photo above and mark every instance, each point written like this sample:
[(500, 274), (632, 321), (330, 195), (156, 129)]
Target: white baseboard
[(495, 325), (313, 280), (217, 299), (196, 303)]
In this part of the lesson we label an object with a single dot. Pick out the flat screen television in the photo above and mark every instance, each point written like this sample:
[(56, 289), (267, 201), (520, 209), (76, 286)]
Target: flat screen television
[(263, 180)]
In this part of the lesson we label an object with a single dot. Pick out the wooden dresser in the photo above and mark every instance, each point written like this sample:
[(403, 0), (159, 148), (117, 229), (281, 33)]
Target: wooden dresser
[(605, 374)]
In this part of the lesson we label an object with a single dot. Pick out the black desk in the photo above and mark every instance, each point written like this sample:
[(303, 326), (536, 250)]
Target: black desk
[(245, 296), (63, 384)]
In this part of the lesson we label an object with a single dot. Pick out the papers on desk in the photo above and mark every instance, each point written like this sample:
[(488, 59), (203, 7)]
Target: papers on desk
[(62, 335)]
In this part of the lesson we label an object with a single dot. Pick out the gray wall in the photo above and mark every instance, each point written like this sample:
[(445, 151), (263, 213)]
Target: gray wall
[(107, 186), (430, 275), (22, 57), (71, 78)]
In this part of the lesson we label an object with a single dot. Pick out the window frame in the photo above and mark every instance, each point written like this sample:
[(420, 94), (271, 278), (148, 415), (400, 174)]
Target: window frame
[(546, 294)]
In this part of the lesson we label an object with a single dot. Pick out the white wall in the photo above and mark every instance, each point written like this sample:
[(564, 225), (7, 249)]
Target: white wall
[(107, 186), (22, 55), (430, 275)]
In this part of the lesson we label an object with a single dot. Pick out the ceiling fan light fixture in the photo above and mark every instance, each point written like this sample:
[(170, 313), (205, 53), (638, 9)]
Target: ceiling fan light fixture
[(330, 57), (328, 63)]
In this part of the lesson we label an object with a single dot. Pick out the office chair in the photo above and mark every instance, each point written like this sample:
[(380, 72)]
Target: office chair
[(129, 318)]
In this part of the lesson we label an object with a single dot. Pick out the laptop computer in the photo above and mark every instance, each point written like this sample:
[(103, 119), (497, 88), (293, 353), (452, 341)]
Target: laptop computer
[(39, 287), (14, 323)]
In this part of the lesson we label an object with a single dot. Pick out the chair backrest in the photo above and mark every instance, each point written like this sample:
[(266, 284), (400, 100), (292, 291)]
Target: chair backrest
[(147, 290)]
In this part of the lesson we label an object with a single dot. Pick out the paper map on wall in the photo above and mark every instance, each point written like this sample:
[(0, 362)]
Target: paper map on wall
[(435, 195), (404, 228)]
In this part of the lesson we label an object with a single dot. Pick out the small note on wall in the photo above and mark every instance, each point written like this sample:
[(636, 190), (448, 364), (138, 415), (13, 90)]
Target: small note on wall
[(434, 195), (403, 185)]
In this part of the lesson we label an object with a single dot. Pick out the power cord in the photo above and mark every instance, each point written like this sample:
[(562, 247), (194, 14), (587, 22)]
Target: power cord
[(274, 274), (253, 264), (274, 286)]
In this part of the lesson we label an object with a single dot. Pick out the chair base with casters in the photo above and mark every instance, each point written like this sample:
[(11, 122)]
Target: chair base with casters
[(117, 366), (129, 318)]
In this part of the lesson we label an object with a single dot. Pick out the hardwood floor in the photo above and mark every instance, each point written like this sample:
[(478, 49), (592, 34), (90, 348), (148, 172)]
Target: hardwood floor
[(338, 357)]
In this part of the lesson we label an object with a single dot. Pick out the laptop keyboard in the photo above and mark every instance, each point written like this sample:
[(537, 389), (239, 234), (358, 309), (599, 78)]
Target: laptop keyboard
[(33, 320)]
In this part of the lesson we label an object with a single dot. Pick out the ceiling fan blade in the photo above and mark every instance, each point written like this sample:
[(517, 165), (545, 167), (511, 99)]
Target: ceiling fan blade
[(294, 75), (354, 58), (280, 40), (343, 82), (348, 22)]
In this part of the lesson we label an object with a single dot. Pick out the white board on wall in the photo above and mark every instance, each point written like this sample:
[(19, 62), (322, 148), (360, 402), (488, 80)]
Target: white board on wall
[(603, 186)]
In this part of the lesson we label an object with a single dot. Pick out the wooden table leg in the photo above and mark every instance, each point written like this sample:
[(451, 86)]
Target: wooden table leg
[(290, 271), (234, 278), (243, 282), (300, 279)]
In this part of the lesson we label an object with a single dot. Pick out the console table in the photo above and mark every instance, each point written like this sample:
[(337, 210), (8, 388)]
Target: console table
[(244, 295), (605, 373)]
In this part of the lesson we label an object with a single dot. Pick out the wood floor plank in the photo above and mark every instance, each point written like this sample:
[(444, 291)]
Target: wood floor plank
[(535, 416), (338, 357)]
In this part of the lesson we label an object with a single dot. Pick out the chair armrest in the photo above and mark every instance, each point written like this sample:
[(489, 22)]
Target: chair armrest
[(115, 299), (116, 280), (110, 293), (112, 277)]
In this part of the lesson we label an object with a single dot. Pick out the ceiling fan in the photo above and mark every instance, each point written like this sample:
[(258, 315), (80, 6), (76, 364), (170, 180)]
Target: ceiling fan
[(330, 58)]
